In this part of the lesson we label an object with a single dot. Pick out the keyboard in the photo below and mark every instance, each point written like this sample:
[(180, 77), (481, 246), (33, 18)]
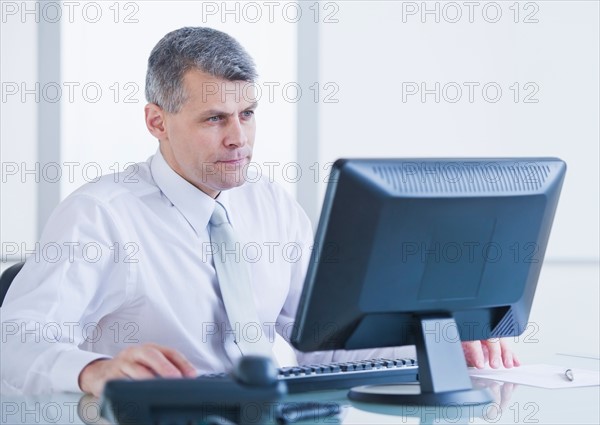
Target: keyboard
[(344, 375)]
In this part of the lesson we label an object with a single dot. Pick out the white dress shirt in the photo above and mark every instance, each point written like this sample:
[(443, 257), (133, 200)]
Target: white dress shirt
[(127, 260)]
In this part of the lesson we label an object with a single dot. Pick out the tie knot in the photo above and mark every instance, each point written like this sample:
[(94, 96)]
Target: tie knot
[(219, 215)]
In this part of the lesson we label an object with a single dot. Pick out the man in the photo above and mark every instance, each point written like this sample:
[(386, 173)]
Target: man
[(149, 299)]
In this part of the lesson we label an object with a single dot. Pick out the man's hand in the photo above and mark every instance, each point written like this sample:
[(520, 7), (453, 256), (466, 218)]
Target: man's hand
[(495, 351), (139, 362)]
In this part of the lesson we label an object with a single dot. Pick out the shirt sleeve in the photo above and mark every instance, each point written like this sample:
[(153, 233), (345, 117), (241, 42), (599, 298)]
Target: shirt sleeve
[(301, 231), (70, 280)]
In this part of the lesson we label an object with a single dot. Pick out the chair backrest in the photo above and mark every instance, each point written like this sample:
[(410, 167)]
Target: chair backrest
[(6, 279)]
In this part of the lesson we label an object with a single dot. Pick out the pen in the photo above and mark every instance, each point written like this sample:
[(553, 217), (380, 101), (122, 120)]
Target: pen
[(569, 375)]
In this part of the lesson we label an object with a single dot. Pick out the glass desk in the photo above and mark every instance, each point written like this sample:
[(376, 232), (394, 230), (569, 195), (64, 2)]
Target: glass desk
[(513, 404)]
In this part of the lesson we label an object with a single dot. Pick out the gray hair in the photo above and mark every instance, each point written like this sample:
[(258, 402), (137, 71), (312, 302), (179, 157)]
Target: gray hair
[(205, 49)]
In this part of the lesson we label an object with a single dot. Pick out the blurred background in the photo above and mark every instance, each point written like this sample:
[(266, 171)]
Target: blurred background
[(337, 78)]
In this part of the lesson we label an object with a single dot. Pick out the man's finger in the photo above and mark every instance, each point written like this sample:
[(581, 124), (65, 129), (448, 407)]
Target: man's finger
[(156, 361), (136, 371), (486, 353), (473, 354), (494, 352), (508, 357), (183, 364), (516, 361)]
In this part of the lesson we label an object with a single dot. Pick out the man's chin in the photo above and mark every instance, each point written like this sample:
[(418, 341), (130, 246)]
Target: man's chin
[(231, 181)]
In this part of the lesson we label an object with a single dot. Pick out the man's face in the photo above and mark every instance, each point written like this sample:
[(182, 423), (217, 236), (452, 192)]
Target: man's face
[(209, 140)]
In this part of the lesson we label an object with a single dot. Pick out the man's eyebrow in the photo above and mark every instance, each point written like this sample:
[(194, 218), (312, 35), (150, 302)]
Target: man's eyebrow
[(213, 112), (217, 112)]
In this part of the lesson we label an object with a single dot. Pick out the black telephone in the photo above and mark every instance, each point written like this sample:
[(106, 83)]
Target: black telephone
[(248, 395)]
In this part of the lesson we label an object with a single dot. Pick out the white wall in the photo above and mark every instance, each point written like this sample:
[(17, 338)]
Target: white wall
[(18, 136), (375, 47)]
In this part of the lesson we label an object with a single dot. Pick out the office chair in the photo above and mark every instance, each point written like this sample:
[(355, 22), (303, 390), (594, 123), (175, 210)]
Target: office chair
[(6, 279)]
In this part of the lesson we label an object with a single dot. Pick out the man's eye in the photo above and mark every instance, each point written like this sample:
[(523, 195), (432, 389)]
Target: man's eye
[(216, 118), (247, 114)]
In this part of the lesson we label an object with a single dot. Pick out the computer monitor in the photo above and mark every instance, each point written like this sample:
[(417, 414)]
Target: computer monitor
[(427, 252)]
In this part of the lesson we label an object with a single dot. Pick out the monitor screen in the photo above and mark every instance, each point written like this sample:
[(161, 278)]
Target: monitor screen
[(427, 252)]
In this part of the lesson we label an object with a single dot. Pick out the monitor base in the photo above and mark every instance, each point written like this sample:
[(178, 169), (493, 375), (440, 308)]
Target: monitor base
[(389, 394)]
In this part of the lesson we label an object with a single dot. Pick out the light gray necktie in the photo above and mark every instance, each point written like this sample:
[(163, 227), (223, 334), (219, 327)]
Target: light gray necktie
[(234, 280)]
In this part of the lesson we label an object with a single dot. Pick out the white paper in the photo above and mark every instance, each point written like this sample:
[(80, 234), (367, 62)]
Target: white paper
[(541, 375)]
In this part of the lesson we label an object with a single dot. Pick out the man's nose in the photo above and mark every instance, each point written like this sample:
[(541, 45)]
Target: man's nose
[(236, 134)]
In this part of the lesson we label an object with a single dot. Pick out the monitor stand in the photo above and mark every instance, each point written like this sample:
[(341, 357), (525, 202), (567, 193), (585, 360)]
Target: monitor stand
[(443, 375)]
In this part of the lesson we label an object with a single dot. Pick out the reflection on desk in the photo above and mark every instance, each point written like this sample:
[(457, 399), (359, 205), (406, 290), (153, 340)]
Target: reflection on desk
[(512, 404)]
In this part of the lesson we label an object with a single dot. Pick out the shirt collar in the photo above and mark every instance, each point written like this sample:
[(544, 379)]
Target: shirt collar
[(195, 205)]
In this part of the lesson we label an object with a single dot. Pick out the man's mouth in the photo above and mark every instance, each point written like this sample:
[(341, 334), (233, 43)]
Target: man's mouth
[(234, 161)]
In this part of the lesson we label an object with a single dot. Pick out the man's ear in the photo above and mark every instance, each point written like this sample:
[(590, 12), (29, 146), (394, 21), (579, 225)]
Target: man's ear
[(155, 120)]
